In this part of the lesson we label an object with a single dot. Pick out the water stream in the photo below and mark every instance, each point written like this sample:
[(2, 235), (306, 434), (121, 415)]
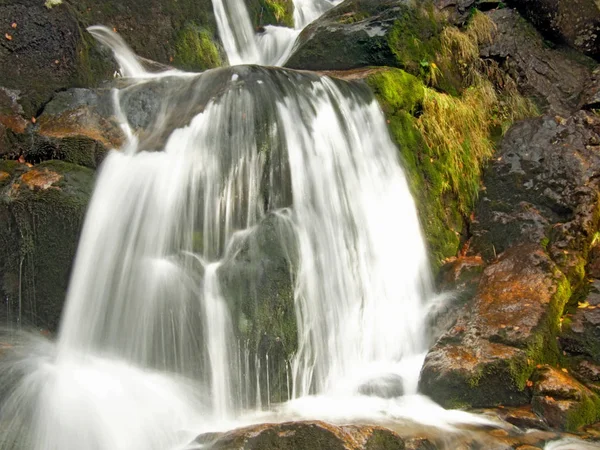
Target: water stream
[(151, 349)]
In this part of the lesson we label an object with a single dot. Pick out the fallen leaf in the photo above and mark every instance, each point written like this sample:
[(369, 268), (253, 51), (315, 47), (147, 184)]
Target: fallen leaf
[(549, 398), (13, 25), (564, 370), (8, 36), (33, 120), (583, 305), (21, 159), (529, 383), (56, 61)]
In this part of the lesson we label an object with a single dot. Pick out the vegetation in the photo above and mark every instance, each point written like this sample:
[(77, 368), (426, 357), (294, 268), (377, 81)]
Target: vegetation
[(195, 49)]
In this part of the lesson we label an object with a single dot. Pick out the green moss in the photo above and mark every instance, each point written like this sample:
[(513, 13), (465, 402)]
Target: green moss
[(587, 412), (415, 37), (272, 12), (195, 49)]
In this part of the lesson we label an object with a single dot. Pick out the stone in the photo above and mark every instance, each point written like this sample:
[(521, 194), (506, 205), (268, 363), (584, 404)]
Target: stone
[(575, 23), (541, 188), (353, 34), (581, 330), (554, 78), (564, 402), (486, 359), (305, 436), (41, 214)]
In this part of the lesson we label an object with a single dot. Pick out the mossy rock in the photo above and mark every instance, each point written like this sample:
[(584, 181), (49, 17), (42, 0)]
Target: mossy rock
[(271, 12), (41, 214), (195, 49)]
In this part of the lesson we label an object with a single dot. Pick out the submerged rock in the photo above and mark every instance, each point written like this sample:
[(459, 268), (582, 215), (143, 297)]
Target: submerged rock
[(41, 213)]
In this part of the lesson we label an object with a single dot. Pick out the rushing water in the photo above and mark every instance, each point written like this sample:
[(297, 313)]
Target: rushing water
[(149, 352)]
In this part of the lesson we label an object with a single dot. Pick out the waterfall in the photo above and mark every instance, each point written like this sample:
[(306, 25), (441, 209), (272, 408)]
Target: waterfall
[(146, 355)]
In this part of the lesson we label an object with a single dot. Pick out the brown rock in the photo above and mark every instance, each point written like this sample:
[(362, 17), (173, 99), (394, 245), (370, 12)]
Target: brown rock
[(564, 402), (481, 361), (305, 436)]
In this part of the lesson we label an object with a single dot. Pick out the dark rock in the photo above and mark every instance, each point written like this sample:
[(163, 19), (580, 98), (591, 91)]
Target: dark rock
[(581, 330), (542, 187), (564, 402), (553, 77), (576, 23), (523, 417), (47, 51), (591, 93), (305, 436), (41, 213), (351, 35), (594, 261), (154, 29), (486, 358), (588, 371)]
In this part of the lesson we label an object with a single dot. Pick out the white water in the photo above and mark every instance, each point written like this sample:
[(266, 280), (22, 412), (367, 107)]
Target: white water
[(145, 357)]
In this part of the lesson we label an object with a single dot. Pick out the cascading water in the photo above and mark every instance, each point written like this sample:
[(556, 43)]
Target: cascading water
[(147, 355), (273, 45)]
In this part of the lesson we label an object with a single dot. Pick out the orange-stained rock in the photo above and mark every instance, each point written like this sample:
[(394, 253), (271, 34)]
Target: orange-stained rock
[(305, 436), (565, 403), (486, 358), (40, 179)]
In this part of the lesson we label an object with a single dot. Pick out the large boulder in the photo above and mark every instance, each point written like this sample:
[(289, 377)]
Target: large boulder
[(542, 188), (554, 78), (360, 33), (487, 357), (576, 23), (41, 214)]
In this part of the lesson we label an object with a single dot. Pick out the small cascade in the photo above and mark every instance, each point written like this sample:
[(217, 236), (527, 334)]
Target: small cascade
[(271, 47)]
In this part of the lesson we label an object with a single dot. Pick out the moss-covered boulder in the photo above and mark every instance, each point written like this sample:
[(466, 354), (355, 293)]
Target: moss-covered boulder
[(41, 213), (359, 33), (166, 32), (565, 21), (486, 359), (44, 50)]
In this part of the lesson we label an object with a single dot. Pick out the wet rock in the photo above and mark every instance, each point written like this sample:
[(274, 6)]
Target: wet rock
[(542, 187), (487, 357), (553, 77), (588, 371), (257, 281), (170, 33), (576, 23), (581, 330), (564, 402), (594, 261), (523, 418), (305, 436), (353, 34), (12, 124), (46, 51), (41, 213)]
